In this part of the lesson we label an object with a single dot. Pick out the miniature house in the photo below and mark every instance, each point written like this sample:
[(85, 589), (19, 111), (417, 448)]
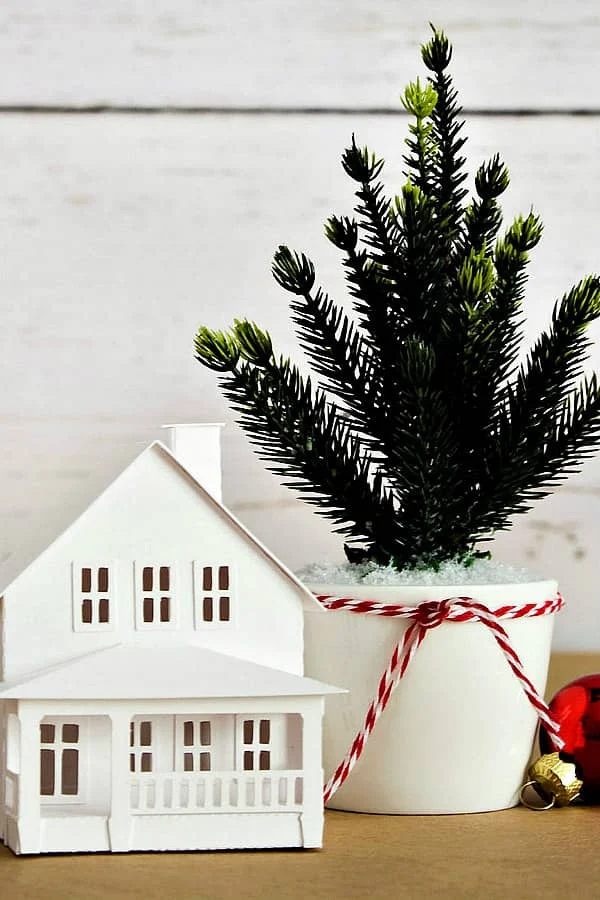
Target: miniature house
[(152, 694)]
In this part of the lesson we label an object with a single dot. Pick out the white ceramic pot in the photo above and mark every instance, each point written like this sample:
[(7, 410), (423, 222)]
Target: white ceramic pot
[(457, 734)]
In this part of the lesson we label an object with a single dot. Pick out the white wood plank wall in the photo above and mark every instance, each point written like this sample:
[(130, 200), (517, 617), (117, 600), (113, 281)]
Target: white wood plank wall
[(122, 231)]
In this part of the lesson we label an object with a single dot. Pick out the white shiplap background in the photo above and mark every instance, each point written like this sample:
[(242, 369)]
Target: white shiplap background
[(122, 231)]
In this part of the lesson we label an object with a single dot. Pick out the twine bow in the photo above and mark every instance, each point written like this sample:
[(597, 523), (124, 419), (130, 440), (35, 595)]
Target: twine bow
[(426, 616), (432, 613)]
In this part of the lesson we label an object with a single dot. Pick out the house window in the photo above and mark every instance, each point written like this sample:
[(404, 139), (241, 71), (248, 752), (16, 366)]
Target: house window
[(155, 593), (195, 742), (93, 596), (140, 745), (60, 745), (254, 744), (213, 593)]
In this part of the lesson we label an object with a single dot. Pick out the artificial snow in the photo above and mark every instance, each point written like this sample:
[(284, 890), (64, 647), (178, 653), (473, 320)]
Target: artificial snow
[(481, 571)]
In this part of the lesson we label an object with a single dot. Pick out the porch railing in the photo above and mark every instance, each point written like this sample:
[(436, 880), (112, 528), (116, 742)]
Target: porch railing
[(196, 792)]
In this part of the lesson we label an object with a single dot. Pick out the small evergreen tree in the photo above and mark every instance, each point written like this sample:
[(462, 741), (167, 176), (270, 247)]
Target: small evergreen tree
[(423, 436)]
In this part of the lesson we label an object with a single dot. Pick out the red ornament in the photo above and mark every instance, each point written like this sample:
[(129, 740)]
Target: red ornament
[(576, 709)]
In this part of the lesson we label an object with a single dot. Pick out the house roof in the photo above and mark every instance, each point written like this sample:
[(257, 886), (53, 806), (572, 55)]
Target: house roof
[(126, 671), (159, 449)]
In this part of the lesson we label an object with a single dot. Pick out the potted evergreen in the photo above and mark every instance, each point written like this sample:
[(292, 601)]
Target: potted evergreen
[(423, 437)]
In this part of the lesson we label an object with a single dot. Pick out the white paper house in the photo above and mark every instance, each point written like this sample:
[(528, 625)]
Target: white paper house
[(152, 694)]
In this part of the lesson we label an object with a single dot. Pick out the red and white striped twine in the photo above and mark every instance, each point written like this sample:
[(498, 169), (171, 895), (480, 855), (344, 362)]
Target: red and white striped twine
[(426, 616)]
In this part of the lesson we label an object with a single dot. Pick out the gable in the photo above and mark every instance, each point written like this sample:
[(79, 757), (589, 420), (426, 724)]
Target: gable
[(155, 515), (144, 482)]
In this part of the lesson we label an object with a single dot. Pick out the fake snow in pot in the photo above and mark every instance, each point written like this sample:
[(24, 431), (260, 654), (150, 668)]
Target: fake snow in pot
[(426, 434)]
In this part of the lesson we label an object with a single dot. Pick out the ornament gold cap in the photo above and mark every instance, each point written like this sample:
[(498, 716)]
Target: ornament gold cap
[(554, 780)]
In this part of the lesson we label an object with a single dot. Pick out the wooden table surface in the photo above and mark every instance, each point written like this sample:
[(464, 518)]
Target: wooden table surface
[(512, 854)]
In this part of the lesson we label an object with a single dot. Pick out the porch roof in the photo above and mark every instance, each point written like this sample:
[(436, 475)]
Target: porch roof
[(134, 672)]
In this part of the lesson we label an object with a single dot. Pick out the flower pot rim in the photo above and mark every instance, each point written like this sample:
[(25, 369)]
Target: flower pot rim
[(444, 584), (491, 593)]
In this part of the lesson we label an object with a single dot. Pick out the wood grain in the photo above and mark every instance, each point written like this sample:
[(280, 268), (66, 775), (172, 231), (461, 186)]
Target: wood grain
[(516, 853), (121, 235), (302, 53)]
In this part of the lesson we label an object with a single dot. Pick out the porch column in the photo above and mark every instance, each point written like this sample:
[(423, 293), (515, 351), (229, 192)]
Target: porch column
[(119, 822), (3, 767), (312, 765), (28, 790)]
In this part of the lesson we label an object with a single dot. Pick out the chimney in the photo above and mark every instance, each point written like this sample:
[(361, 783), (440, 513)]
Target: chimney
[(198, 449)]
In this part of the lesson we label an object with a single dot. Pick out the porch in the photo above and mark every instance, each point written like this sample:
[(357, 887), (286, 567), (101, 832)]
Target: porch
[(175, 811), (124, 779)]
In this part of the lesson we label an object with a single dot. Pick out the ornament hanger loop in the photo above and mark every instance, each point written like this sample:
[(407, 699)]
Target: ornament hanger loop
[(537, 807)]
